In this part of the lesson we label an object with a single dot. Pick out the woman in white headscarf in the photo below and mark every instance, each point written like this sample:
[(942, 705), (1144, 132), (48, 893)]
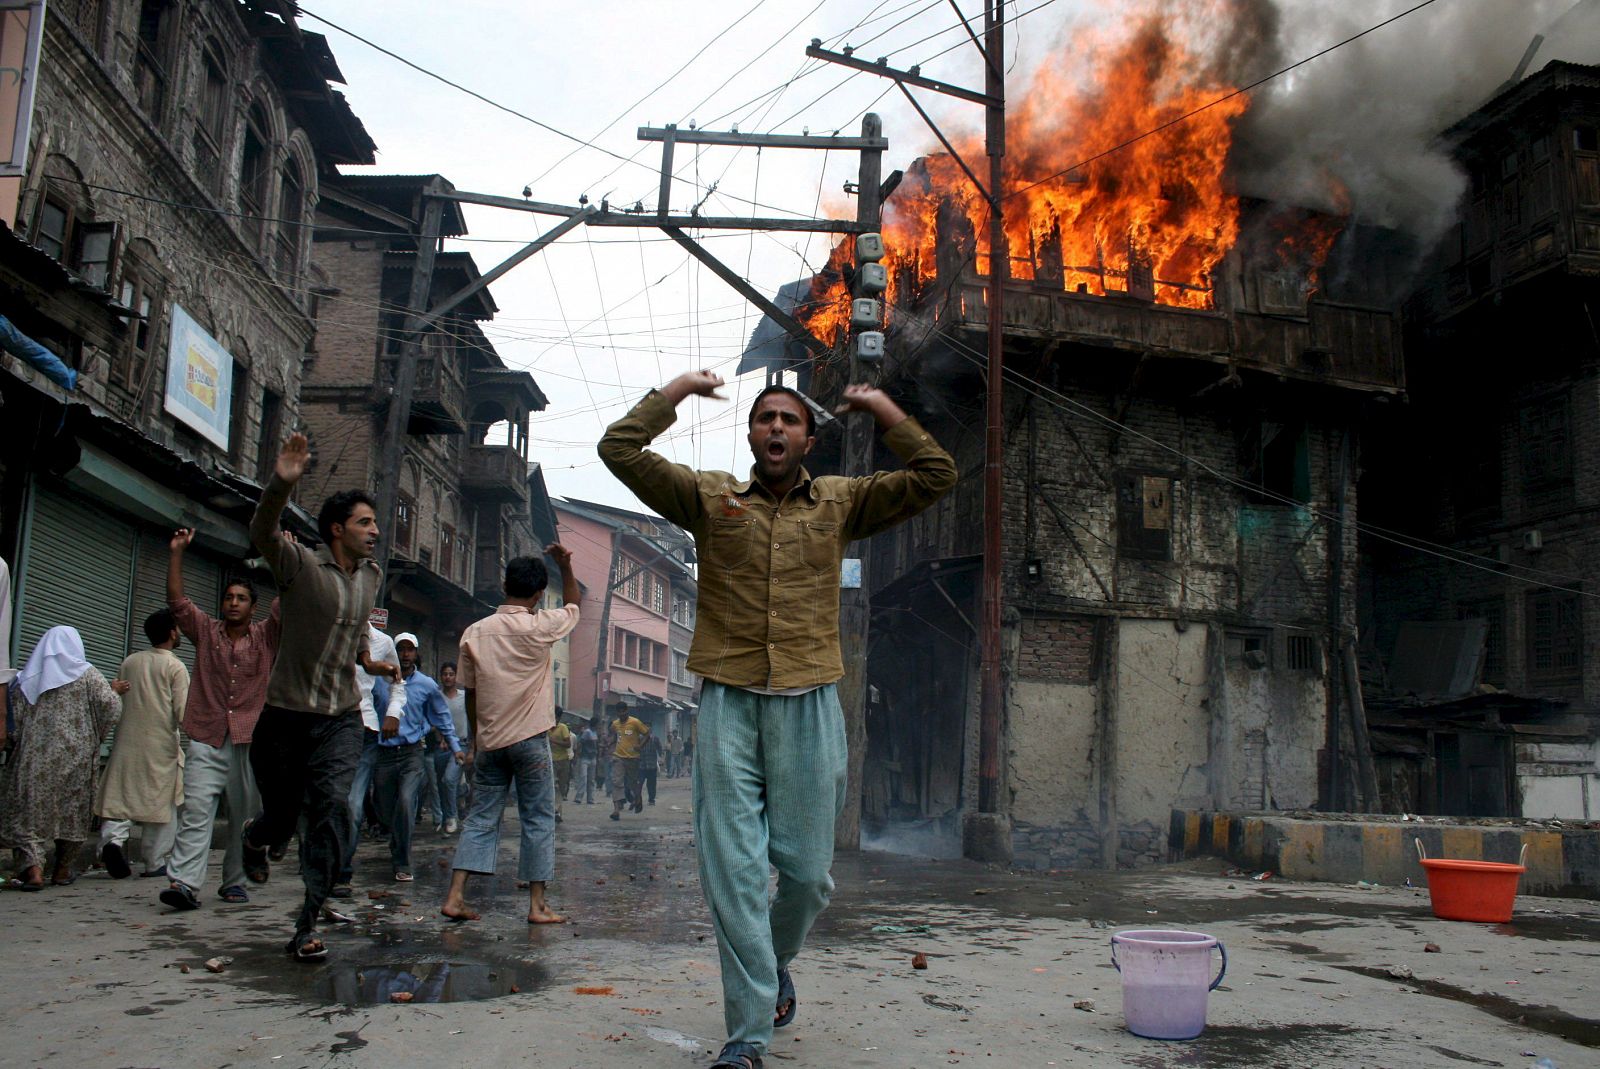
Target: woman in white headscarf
[(62, 708)]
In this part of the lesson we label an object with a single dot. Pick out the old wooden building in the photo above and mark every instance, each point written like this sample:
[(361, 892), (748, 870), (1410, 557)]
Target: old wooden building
[(1483, 496), (1179, 562)]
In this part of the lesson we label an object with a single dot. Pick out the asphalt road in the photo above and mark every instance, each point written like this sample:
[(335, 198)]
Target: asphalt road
[(1319, 975)]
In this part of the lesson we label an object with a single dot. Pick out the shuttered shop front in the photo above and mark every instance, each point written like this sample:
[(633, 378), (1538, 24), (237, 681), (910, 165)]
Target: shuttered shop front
[(77, 569)]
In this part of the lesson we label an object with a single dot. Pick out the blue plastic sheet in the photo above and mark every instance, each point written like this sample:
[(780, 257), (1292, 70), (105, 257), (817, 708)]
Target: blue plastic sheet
[(31, 352)]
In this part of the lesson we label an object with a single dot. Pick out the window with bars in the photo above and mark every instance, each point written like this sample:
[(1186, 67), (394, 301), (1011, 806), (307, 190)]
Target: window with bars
[(447, 550), (253, 170), (1493, 612), (1300, 653), (1554, 627), (658, 595), (1546, 452), (405, 516)]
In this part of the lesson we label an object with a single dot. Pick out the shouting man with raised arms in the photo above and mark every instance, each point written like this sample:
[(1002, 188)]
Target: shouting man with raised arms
[(769, 780)]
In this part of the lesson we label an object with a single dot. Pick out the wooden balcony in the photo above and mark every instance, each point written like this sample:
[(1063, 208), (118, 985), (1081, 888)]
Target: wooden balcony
[(1343, 345), (495, 473), (438, 401)]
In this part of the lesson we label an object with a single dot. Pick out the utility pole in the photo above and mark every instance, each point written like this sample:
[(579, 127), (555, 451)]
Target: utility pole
[(855, 606), (993, 692), (597, 706), (992, 48), (391, 447)]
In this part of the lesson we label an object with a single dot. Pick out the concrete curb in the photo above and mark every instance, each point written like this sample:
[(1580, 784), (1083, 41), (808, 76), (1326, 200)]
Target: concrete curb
[(1562, 862)]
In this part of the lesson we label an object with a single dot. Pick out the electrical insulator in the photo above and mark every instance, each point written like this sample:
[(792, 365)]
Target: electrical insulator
[(866, 314), (869, 248), (869, 345), (871, 279)]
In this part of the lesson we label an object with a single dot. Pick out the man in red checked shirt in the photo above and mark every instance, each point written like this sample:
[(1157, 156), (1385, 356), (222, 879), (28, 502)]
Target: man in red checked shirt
[(233, 660)]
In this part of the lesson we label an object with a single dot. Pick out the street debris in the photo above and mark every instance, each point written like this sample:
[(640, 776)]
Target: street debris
[(1262, 877), (1430, 948), (1399, 972), (919, 961), (1365, 886), (594, 989), (217, 964), (1084, 1004), (400, 996), (901, 929)]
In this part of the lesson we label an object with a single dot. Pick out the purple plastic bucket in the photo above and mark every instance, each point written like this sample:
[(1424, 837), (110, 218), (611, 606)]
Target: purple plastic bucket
[(1165, 979)]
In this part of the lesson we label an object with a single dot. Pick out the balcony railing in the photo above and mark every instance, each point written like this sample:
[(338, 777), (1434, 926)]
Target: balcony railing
[(495, 473), (1341, 344), (438, 400)]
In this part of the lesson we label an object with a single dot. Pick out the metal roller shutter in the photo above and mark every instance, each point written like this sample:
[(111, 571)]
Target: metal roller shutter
[(201, 575), (77, 569)]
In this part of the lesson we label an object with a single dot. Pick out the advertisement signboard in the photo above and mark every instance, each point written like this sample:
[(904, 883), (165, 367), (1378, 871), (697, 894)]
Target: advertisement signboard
[(199, 379)]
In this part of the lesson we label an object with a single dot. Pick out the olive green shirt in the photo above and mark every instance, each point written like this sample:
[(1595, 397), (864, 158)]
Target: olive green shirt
[(768, 606), (324, 613)]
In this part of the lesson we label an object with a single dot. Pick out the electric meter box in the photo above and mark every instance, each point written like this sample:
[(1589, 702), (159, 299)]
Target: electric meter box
[(866, 314), (871, 279), (869, 345), (869, 248)]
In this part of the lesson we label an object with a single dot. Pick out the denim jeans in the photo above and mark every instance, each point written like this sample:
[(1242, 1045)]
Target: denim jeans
[(584, 792), (398, 776), (303, 764), (358, 802), (768, 785), (528, 765), (447, 775)]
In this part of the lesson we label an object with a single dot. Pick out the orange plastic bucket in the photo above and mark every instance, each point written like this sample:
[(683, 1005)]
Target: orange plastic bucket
[(1471, 890)]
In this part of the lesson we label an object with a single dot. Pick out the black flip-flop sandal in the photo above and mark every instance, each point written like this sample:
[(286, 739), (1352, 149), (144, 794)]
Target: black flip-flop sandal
[(737, 1056), (785, 994), (115, 860), (300, 948), (256, 867)]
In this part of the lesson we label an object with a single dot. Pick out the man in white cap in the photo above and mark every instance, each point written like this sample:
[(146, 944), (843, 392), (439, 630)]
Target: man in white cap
[(376, 692), (399, 769)]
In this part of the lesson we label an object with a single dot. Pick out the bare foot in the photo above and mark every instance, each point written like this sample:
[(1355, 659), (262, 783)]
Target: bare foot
[(545, 916), (458, 911)]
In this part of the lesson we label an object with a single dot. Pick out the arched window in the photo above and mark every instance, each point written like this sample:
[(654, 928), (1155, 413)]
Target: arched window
[(291, 211), (211, 131), (143, 289), (254, 168), (152, 56)]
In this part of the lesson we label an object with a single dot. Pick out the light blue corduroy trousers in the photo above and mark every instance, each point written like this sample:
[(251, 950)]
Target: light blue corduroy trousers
[(769, 781)]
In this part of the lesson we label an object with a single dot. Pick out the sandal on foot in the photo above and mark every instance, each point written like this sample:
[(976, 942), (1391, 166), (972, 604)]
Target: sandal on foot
[(278, 853), (180, 897), (234, 893), (341, 890), (256, 867), (306, 946), (787, 1003), (403, 877), (737, 1056), (59, 880), (115, 861)]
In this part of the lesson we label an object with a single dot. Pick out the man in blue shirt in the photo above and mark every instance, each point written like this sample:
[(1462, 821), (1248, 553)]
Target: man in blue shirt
[(398, 774)]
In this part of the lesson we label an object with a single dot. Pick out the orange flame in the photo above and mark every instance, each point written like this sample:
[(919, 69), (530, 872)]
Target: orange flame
[(1152, 219)]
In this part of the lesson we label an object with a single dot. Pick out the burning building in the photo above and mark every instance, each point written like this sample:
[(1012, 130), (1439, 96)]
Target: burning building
[(1186, 370)]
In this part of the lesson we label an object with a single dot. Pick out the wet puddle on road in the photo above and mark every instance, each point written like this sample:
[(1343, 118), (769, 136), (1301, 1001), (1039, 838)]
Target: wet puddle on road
[(376, 983)]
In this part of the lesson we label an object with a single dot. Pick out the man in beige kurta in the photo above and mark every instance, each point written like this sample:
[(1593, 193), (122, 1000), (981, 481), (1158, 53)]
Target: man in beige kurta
[(143, 782)]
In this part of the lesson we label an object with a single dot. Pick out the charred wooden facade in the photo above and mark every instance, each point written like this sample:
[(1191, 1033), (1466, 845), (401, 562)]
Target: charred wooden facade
[(1495, 460), (1179, 571)]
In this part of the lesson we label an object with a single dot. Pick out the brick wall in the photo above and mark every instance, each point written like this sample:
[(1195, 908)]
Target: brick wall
[(89, 132), (1057, 650)]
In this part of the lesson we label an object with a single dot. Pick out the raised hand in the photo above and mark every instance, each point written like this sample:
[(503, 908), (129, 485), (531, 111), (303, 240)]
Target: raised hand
[(697, 383), (293, 459), (181, 539), (859, 397), (560, 554)]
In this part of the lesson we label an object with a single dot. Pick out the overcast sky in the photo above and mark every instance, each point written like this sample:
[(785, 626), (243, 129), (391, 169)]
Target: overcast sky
[(605, 314)]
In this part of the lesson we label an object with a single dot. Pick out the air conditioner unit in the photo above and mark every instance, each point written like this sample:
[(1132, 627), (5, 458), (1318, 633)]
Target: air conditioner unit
[(1532, 541)]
